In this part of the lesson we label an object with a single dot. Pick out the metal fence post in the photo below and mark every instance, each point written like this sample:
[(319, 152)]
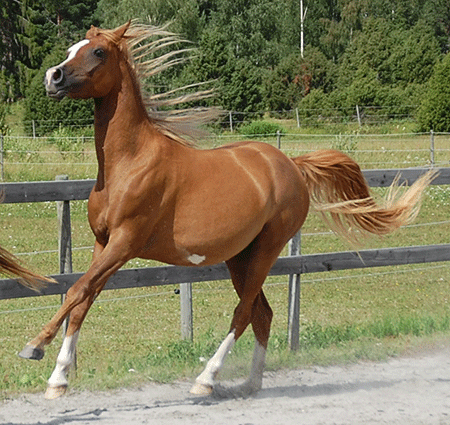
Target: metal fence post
[(294, 298), (297, 117), (432, 147), (358, 115), (279, 139)]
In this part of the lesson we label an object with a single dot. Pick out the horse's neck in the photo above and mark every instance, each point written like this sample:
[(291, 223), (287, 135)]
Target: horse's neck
[(119, 121)]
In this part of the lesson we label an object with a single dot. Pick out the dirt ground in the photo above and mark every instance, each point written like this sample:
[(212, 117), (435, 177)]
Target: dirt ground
[(407, 390)]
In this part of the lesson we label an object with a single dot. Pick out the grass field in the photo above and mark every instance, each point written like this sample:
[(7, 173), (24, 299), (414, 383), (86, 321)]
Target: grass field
[(132, 336)]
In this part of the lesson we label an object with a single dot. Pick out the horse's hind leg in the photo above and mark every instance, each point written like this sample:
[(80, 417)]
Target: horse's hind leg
[(261, 321), (248, 271)]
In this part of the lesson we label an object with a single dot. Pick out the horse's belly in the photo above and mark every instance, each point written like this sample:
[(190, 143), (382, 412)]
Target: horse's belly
[(202, 245)]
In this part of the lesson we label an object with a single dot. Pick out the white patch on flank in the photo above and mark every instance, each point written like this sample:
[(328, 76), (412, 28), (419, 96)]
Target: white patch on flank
[(64, 360), (196, 259), (72, 52)]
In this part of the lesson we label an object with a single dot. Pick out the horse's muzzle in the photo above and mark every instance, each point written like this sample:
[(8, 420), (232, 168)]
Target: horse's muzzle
[(55, 82)]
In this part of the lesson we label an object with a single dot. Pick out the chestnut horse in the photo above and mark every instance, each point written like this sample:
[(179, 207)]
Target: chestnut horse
[(158, 197)]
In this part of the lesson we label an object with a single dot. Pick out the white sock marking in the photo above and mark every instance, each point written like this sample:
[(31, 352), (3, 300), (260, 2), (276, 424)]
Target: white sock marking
[(259, 359), (216, 362), (65, 359)]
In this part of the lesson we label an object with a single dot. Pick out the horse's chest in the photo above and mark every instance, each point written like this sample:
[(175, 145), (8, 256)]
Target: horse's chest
[(97, 214)]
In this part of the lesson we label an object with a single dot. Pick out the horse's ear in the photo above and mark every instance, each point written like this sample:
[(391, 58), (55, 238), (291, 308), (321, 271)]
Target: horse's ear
[(92, 32), (120, 31)]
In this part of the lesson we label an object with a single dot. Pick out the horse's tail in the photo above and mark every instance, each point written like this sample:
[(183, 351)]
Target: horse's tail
[(10, 266), (337, 186)]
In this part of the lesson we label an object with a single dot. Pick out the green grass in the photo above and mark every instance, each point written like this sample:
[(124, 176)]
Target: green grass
[(132, 336)]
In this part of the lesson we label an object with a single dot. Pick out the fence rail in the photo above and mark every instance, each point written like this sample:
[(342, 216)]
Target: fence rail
[(299, 264), (69, 190), (77, 190)]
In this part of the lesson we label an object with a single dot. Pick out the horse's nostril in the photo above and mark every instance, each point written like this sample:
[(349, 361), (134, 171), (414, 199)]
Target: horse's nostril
[(58, 76)]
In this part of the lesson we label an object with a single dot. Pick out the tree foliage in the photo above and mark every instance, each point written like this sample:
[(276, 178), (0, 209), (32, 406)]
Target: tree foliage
[(434, 113), (377, 52)]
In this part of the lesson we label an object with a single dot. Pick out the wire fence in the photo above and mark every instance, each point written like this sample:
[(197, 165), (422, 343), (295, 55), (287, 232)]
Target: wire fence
[(41, 158), (367, 115)]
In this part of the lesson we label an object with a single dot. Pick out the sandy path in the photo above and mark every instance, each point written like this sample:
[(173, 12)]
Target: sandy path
[(409, 390)]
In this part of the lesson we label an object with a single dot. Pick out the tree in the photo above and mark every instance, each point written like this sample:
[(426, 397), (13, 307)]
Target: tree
[(380, 51), (413, 56), (187, 16), (383, 57), (30, 30), (237, 81), (434, 112), (294, 77), (10, 49)]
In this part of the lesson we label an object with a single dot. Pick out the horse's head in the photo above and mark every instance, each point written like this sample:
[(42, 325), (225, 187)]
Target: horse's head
[(91, 67)]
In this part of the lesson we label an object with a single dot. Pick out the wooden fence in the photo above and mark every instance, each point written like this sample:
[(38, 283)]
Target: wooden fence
[(64, 191)]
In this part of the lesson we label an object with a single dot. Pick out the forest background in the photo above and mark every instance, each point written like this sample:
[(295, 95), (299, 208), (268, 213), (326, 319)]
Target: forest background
[(387, 53)]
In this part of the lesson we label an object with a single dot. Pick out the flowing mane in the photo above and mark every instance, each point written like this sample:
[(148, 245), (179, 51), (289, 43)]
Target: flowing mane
[(145, 49)]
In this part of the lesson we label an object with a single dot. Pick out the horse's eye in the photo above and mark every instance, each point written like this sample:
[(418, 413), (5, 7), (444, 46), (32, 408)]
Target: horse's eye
[(100, 53)]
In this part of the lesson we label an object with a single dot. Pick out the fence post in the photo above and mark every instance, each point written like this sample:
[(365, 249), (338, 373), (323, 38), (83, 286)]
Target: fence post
[(187, 331), (294, 297), (358, 115), (279, 139), (64, 239), (432, 148), (65, 249), (2, 150), (231, 121), (298, 118)]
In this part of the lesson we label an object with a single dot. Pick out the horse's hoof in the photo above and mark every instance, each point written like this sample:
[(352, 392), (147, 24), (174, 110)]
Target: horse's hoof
[(201, 389), (55, 392), (32, 353)]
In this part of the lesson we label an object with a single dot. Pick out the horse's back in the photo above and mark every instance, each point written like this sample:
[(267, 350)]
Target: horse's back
[(267, 164)]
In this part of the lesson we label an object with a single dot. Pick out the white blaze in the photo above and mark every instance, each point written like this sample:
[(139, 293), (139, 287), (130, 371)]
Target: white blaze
[(74, 49), (72, 52)]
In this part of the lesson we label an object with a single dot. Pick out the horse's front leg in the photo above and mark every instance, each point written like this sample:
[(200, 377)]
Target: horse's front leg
[(78, 300), (57, 384), (75, 295)]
